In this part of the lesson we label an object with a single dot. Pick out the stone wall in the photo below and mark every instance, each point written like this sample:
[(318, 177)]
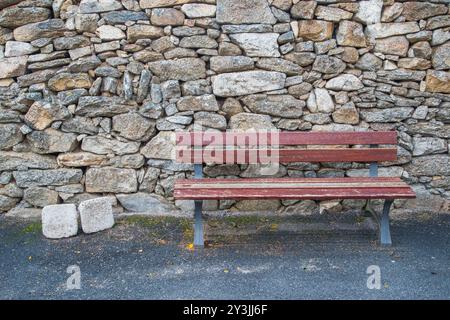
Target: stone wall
[(91, 92)]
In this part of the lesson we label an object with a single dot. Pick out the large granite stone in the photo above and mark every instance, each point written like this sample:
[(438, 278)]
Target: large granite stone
[(438, 81), (395, 114), (198, 103), (120, 17), (96, 6), (251, 121), (102, 145), (81, 159), (351, 34), (315, 30), (51, 28), (419, 10), (144, 202), (257, 44), (40, 196), (397, 45), (384, 30), (162, 146), (97, 106), (430, 166), (149, 4), (18, 48), (13, 67), (345, 82), (68, 81), (143, 31), (285, 106), (222, 64), (441, 57), (16, 16), (114, 180), (184, 69), (96, 215), (249, 82), (369, 12), (167, 17), (133, 126), (59, 221), (52, 177), (51, 141), (244, 12), (10, 135), (10, 161)]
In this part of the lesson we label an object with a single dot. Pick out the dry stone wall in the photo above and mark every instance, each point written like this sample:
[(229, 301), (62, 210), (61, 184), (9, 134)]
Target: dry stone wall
[(91, 92)]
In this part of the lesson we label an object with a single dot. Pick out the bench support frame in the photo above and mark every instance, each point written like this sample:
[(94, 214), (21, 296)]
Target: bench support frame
[(384, 229), (198, 219), (385, 233)]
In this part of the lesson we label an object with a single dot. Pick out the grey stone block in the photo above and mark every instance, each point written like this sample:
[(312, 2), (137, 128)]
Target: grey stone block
[(96, 215), (59, 221)]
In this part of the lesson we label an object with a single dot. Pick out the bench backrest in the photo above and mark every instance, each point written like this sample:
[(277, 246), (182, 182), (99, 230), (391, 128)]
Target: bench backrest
[(239, 147)]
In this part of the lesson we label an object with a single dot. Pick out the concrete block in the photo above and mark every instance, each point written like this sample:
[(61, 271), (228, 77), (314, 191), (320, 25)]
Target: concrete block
[(96, 215), (59, 221)]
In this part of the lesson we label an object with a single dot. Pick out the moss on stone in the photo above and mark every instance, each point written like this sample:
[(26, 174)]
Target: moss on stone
[(32, 228)]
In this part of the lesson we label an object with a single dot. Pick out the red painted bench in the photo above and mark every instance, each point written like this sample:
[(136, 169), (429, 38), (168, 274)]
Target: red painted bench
[(203, 147)]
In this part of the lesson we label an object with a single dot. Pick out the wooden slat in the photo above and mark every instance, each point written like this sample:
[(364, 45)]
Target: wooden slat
[(287, 138), (293, 183), (283, 185), (295, 188), (240, 181), (287, 155), (288, 193)]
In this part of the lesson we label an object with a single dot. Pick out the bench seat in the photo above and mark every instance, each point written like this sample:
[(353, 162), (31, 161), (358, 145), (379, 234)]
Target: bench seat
[(293, 188), (274, 147)]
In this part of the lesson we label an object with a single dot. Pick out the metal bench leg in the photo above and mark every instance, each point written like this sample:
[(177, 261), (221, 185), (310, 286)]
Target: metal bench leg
[(385, 233), (198, 224)]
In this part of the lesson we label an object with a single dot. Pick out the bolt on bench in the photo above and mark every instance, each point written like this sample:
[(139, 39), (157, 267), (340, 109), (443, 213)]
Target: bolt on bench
[(231, 147)]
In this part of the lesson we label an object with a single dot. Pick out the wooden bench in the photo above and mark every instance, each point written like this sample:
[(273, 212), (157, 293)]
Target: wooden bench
[(368, 147)]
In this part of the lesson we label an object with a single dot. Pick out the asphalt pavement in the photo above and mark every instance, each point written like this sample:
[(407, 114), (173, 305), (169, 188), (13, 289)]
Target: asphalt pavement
[(152, 258)]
